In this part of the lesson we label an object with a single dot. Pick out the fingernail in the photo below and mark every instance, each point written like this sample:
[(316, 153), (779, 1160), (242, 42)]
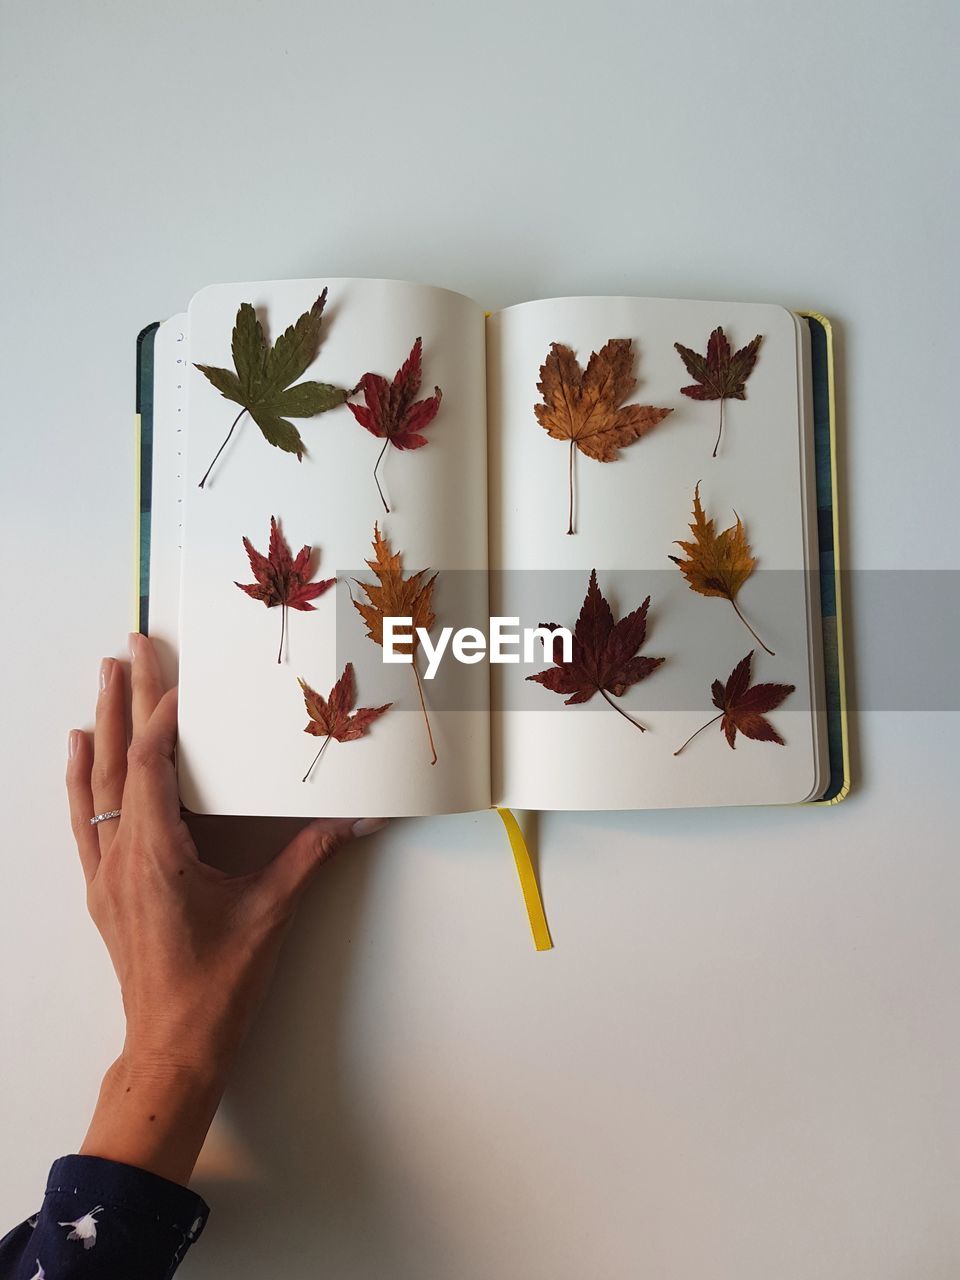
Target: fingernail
[(133, 644), (367, 826), (106, 668), (73, 741)]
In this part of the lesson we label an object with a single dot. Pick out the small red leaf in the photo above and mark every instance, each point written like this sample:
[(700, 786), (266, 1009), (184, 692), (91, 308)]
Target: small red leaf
[(331, 717), (719, 375), (391, 411), (281, 578), (742, 708)]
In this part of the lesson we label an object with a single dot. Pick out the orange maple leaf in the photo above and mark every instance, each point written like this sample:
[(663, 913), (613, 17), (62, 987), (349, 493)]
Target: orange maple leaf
[(586, 407), (394, 596), (718, 564)]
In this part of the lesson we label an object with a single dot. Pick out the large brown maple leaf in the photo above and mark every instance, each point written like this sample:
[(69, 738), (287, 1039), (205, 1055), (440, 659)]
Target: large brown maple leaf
[(586, 407), (392, 411), (281, 578), (603, 656), (330, 717), (394, 596), (743, 708), (718, 564), (720, 374)]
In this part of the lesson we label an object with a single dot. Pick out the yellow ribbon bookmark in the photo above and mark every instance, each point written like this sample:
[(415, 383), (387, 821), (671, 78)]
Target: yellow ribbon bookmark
[(528, 882)]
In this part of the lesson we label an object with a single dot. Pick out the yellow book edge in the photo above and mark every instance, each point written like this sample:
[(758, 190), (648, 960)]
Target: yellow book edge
[(827, 327)]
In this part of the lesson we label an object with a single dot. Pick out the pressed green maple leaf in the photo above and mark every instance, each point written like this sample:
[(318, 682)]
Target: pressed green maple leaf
[(261, 379)]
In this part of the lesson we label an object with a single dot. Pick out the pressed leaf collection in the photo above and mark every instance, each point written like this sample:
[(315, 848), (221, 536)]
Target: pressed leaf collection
[(587, 408)]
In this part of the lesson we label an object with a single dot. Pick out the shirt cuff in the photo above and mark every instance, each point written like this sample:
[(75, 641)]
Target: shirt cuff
[(176, 1215)]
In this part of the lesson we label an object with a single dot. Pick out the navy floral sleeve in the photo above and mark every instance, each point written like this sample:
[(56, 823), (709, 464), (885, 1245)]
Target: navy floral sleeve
[(103, 1220)]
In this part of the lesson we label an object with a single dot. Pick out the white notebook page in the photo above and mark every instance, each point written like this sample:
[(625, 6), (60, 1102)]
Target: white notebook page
[(629, 512), (242, 745)]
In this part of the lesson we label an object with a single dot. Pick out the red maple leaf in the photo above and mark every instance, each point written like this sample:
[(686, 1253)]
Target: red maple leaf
[(392, 413), (742, 707), (282, 579), (603, 655), (330, 717), (720, 374)]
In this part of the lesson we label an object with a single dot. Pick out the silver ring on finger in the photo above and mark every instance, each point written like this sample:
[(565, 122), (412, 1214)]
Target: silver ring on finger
[(104, 817)]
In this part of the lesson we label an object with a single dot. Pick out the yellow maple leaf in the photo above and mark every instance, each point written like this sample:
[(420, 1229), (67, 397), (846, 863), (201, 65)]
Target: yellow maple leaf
[(717, 564)]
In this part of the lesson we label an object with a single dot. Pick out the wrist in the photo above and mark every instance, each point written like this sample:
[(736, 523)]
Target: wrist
[(168, 1067), (153, 1112)]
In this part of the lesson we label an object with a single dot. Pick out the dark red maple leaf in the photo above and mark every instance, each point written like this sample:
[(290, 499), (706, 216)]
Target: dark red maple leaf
[(603, 656), (743, 707), (392, 412), (330, 717), (720, 374), (281, 578)]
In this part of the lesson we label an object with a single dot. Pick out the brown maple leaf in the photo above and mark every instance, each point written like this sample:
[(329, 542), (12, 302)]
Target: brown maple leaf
[(603, 656), (743, 707), (391, 411), (586, 407), (331, 718), (281, 578), (719, 374), (394, 596), (718, 564)]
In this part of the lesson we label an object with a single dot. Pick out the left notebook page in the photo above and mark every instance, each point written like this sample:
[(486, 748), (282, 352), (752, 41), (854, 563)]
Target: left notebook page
[(243, 747)]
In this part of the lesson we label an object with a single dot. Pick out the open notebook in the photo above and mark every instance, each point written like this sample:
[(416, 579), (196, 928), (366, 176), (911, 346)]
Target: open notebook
[(485, 504)]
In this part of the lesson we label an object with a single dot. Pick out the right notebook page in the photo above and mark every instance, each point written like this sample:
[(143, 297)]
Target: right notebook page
[(628, 514)]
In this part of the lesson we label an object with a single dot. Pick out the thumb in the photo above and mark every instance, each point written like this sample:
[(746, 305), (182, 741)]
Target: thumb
[(294, 867)]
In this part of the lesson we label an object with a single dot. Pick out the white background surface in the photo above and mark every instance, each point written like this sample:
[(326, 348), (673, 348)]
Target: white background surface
[(741, 1059)]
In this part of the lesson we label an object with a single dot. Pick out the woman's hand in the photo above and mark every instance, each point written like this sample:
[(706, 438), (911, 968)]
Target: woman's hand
[(193, 948)]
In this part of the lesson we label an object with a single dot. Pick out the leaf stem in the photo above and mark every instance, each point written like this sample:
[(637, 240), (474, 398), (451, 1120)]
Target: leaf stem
[(379, 460), (625, 714), (222, 447), (283, 628), (426, 718), (749, 628), (316, 758), (700, 730), (570, 520), (720, 432)]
